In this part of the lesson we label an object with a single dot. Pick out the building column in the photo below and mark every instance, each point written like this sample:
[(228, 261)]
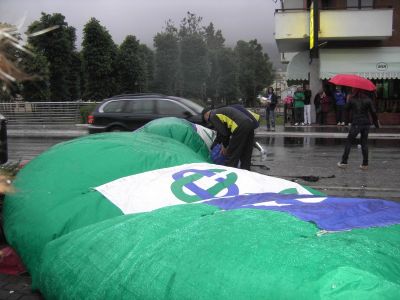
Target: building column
[(315, 84)]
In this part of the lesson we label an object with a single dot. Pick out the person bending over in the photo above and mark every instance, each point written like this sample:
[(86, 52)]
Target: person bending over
[(236, 130)]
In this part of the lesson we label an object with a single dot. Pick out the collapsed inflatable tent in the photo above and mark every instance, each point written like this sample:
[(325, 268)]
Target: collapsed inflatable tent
[(145, 215)]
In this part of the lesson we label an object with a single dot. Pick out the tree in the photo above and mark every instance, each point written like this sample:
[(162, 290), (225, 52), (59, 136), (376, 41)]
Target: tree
[(193, 57), (255, 70), (166, 60), (227, 69), (131, 67), (99, 61), (147, 57), (74, 76), (57, 46), (36, 88), (214, 39), (215, 45)]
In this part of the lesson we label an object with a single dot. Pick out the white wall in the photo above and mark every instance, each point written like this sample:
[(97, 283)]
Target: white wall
[(293, 4), (356, 24)]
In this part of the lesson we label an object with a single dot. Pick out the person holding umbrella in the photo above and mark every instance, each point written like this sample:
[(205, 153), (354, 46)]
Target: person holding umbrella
[(360, 106)]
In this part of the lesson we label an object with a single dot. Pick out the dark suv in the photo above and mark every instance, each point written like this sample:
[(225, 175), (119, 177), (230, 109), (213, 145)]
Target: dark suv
[(131, 111)]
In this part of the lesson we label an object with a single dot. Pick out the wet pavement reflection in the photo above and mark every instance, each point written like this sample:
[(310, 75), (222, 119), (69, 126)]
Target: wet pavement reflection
[(312, 161)]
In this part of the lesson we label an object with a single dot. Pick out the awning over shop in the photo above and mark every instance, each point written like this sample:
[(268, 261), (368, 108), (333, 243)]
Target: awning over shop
[(372, 63), (298, 67)]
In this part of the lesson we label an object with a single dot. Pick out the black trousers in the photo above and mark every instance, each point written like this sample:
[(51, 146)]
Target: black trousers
[(339, 113), (241, 146), (354, 131), (299, 115)]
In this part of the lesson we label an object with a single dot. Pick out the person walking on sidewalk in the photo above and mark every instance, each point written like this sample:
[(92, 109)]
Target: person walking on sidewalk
[(298, 106), (236, 130), (270, 109), (360, 106), (307, 105)]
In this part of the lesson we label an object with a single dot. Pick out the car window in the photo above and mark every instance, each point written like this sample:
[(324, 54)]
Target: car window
[(113, 107), (189, 103), (166, 107), (141, 106)]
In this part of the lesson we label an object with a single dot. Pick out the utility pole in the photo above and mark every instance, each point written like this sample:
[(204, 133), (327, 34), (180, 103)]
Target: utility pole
[(314, 70)]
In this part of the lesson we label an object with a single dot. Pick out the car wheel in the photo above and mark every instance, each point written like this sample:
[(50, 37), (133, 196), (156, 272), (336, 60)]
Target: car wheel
[(116, 129)]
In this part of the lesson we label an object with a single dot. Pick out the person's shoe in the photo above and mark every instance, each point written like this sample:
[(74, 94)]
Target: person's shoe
[(364, 167), (302, 124), (296, 124), (342, 123), (338, 124), (273, 128), (341, 165)]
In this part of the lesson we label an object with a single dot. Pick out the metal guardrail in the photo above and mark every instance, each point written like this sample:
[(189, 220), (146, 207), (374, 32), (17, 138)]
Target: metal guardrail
[(25, 114), (38, 113)]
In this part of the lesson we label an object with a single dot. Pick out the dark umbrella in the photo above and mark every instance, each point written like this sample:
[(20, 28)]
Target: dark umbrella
[(353, 81)]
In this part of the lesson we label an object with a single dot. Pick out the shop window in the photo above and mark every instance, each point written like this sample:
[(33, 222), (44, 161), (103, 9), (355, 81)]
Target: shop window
[(388, 95), (388, 89), (326, 4)]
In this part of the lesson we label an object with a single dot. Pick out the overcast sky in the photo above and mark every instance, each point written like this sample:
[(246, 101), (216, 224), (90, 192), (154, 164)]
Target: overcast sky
[(238, 19)]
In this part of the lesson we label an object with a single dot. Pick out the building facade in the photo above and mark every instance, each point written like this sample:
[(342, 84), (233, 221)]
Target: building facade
[(354, 37)]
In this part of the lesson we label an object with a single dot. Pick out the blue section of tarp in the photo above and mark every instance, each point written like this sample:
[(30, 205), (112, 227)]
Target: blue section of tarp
[(328, 213), (216, 156)]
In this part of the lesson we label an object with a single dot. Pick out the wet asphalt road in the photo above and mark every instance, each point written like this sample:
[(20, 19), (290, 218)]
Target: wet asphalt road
[(292, 158), (295, 158)]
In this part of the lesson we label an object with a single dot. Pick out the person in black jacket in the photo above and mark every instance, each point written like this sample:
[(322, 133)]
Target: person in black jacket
[(236, 130), (360, 106)]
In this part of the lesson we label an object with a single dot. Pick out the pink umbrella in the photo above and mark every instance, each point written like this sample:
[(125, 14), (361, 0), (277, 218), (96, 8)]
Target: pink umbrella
[(354, 81)]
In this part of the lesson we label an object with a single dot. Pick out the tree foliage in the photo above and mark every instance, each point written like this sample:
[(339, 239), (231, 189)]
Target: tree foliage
[(131, 67), (74, 76), (193, 57), (99, 61), (228, 76), (57, 46), (147, 58), (37, 88), (166, 60), (255, 70), (190, 61)]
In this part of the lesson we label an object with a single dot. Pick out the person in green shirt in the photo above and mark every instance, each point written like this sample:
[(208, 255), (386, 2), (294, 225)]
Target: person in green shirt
[(298, 106)]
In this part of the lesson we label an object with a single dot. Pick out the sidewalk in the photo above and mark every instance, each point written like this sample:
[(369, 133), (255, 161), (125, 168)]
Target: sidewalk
[(326, 131)]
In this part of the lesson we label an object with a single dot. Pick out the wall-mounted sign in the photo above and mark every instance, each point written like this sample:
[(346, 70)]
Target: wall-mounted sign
[(311, 26), (381, 66)]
